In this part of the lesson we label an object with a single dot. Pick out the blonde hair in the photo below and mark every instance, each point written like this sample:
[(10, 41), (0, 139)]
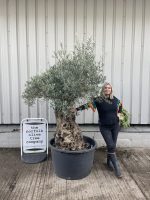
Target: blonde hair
[(102, 90)]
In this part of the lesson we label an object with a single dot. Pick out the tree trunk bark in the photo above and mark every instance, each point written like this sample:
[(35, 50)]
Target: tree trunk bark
[(68, 133)]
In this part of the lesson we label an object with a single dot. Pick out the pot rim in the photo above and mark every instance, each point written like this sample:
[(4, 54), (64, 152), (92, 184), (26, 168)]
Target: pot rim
[(76, 151)]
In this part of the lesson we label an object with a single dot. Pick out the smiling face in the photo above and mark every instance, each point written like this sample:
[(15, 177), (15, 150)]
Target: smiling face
[(107, 90)]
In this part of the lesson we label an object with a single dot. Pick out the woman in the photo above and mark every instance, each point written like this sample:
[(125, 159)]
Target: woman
[(108, 107)]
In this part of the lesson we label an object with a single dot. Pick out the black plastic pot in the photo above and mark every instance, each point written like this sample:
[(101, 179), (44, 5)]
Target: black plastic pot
[(73, 165)]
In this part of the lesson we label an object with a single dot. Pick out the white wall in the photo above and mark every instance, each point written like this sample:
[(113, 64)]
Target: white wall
[(31, 30)]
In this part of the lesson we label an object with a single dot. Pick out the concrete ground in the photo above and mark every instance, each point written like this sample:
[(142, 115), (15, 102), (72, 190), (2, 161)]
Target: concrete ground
[(21, 181)]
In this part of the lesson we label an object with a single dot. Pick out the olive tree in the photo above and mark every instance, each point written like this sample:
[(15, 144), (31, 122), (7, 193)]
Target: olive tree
[(75, 75)]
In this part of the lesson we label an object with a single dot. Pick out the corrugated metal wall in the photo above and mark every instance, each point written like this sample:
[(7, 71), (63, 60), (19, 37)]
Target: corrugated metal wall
[(31, 30)]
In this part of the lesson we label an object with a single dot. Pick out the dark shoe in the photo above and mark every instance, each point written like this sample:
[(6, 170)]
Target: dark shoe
[(115, 164), (109, 163)]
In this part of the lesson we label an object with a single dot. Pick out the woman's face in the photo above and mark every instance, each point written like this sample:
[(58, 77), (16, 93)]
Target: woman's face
[(107, 89)]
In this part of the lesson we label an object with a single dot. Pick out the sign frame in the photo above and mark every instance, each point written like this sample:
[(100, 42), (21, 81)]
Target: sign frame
[(34, 122)]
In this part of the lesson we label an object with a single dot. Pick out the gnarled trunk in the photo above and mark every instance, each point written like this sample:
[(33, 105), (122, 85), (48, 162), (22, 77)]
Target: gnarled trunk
[(68, 133)]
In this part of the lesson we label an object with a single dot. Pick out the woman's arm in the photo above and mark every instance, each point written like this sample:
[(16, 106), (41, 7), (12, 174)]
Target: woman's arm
[(86, 106)]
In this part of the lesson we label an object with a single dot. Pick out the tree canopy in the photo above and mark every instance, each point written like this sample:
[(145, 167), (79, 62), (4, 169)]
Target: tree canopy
[(75, 75)]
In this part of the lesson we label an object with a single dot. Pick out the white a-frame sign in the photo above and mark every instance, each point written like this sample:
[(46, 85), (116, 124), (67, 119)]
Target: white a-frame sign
[(34, 140)]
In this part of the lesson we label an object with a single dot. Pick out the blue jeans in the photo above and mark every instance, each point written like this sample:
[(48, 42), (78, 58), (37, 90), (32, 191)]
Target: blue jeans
[(110, 134)]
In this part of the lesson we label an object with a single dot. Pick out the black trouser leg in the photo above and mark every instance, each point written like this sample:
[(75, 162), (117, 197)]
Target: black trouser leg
[(110, 134), (107, 135), (110, 137), (113, 158), (115, 130)]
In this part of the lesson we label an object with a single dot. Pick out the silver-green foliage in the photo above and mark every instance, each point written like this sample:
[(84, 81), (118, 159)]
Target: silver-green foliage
[(124, 119), (75, 75)]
